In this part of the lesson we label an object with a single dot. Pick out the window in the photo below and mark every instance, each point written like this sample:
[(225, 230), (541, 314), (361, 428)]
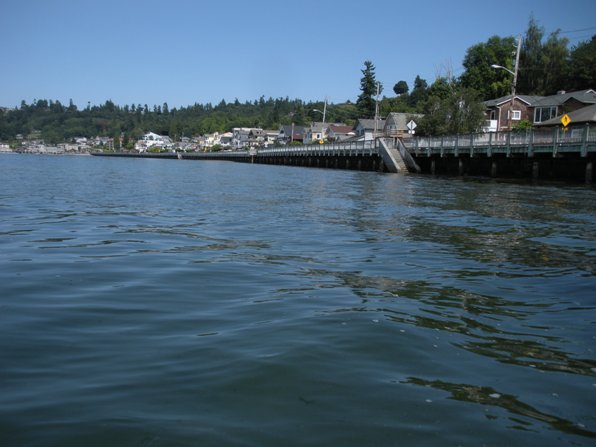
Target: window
[(515, 116), (544, 113)]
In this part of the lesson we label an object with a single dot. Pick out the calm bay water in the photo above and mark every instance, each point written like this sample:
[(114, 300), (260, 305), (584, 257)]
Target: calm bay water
[(181, 303)]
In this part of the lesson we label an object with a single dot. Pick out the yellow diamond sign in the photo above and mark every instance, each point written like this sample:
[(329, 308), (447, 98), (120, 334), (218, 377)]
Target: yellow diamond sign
[(565, 120)]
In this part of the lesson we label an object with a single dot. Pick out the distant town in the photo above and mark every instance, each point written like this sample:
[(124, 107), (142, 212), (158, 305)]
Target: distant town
[(240, 138)]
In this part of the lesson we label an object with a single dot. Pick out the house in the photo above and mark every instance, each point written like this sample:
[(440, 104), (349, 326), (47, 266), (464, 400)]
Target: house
[(557, 105), (151, 139), (339, 132), (315, 133), (226, 138), (240, 137), (289, 133), (503, 114), (255, 137), (396, 124), (270, 137), (585, 115), (367, 129)]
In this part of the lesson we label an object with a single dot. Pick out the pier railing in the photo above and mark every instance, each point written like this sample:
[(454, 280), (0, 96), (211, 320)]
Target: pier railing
[(341, 148), (580, 139)]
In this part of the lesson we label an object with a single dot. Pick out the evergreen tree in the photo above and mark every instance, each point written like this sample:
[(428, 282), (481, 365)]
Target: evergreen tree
[(543, 66), (368, 88), (419, 94), (582, 66)]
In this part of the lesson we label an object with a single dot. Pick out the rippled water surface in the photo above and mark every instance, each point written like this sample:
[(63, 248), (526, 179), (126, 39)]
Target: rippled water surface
[(181, 303)]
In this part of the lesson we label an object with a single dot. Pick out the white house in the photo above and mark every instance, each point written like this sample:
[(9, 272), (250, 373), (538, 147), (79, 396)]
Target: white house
[(150, 140)]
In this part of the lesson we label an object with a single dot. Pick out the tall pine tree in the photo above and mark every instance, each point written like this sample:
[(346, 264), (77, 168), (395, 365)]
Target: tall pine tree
[(368, 88)]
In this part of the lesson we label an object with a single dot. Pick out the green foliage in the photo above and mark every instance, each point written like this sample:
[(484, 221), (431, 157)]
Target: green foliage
[(481, 76), (368, 91), (543, 65), (451, 109), (582, 66), (57, 123), (401, 88), (419, 94), (522, 125)]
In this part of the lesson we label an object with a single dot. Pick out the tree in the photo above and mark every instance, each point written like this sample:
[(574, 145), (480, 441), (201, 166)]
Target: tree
[(543, 66), (554, 63), (401, 88), (368, 87), (419, 94), (451, 109), (489, 82), (530, 59), (582, 66)]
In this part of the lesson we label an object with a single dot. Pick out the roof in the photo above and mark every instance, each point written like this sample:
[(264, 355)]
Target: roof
[(340, 128), (286, 129), (528, 99), (584, 96), (584, 115), (401, 119), (368, 124)]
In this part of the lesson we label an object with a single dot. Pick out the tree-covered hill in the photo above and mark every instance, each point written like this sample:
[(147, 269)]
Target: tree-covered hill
[(55, 122)]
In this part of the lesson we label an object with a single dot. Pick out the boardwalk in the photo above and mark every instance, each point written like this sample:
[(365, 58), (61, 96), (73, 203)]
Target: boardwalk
[(546, 153), (528, 143)]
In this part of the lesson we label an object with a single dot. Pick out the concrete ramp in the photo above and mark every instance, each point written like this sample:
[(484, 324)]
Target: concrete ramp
[(397, 159)]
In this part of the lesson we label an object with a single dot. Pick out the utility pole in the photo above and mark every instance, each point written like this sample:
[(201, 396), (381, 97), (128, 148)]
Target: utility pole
[(519, 40), (376, 109)]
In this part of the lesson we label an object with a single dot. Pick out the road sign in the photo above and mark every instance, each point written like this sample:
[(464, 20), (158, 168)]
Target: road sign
[(411, 125), (565, 120)]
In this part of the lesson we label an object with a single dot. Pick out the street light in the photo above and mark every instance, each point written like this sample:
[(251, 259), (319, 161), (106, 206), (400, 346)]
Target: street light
[(503, 68), (514, 74), (324, 112)]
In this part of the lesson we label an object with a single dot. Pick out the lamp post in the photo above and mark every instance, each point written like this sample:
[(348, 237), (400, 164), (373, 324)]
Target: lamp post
[(514, 74), (324, 112)]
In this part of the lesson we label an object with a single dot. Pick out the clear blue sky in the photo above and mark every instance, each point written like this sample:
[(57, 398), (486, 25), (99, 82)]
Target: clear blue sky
[(187, 51)]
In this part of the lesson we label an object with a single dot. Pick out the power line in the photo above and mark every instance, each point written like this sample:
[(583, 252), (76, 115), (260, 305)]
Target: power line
[(578, 30)]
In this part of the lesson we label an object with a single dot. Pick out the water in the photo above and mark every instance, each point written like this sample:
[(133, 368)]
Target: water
[(181, 303)]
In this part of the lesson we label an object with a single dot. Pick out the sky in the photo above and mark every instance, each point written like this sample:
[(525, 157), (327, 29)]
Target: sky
[(183, 52)]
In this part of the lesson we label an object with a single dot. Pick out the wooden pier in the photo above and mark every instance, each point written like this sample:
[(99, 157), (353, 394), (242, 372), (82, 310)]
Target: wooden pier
[(537, 154)]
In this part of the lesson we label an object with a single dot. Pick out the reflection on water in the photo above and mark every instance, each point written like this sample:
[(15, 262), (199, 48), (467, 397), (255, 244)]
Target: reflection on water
[(490, 397), (180, 303)]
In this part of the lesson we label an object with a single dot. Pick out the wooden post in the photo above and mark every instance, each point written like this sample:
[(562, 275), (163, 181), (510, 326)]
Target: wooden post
[(535, 170), (584, 152), (489, 152), (493, 169), (589, 172)]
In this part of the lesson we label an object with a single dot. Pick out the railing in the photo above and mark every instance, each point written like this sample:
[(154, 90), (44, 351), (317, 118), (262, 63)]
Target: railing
[(365, 147), (575, 139)]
